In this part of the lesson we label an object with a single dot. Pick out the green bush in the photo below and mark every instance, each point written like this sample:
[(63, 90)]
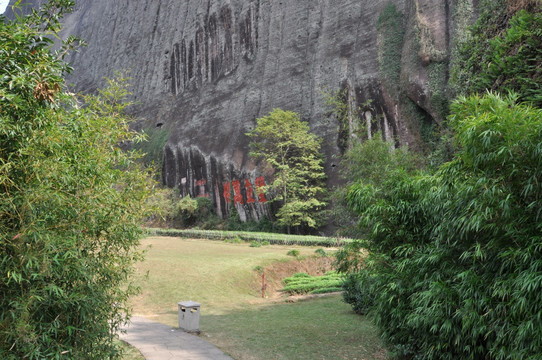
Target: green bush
[(455, 258), (71, 201), (320, 252), (255, 244), (162, 204), (358, 292), (272, 238), (294, 253), (204, 209)]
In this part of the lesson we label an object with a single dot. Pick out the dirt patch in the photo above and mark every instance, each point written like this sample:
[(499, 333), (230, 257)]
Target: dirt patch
[(274, 273)]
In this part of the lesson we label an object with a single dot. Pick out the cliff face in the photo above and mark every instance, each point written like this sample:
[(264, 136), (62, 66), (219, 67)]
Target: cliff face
[(203, 71)]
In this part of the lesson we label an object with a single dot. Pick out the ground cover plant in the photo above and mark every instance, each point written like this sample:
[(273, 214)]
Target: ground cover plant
[(226, 279), (303, 283)]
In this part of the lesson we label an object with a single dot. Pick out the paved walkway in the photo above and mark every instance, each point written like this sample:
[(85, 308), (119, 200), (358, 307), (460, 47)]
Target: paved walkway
[(161, 342)]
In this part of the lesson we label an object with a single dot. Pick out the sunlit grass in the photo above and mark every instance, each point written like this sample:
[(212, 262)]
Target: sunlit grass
[(222, 277), (218, 275)]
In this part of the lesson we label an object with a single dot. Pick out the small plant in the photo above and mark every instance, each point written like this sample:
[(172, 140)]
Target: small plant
[(320, 252), (255, 244), (294, 253), (265, 243), (258, 269), (234, 240)]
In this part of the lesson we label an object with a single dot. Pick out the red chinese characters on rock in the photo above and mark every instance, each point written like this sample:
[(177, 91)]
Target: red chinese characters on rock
[(227, 192), (250, 192), (260, 183), (201, 184), (238, 198)]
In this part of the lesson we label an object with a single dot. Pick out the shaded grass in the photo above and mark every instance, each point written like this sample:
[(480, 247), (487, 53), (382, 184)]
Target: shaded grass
[(234, 317), (130, 352), (323, 328)]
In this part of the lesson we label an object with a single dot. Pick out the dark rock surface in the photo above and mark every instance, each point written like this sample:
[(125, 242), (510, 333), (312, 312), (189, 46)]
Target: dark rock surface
[(206, 69)]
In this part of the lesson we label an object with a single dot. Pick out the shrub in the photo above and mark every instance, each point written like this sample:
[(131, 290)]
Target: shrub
[(358, 292), (326, 290), (456, 262), (255, 244), (162, 204), (187, 209), (71, 201), (294, 253), (320, 252), (234, 240), (204, 209)]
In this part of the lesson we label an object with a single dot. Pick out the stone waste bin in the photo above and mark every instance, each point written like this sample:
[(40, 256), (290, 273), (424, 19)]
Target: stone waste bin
[(189, 316)]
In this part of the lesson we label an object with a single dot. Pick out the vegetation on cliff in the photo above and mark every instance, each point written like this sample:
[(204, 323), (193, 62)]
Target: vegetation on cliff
[(71, 201), (503, 51)]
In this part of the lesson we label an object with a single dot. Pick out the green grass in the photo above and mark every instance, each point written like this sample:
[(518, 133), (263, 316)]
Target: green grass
[(218, 275), (323, 328), (130, 352), (234, 317)]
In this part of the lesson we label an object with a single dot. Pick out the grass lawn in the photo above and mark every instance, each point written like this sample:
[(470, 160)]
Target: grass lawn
[(323, 328), (130, 352), (234, 317)]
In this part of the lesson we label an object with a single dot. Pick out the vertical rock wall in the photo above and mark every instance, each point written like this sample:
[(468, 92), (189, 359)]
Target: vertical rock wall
[(206, 69)]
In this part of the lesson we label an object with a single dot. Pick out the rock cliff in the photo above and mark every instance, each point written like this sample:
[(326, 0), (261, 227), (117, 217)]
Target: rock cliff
[(204, 70)]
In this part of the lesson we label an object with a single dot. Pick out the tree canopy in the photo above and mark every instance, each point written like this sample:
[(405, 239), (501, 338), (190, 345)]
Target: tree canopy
[(455, 268), (287, 146), (71, 201)]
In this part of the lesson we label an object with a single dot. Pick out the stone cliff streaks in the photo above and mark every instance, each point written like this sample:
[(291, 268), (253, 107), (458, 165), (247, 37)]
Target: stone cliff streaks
[(206, 69), (215, 50)]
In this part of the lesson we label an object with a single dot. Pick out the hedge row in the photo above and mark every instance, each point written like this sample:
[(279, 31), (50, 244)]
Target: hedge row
[(272, 238)]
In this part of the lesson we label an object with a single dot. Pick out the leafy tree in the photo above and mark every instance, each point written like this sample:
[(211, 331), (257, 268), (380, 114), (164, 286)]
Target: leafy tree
[(455, 264), (373, 160), (71, 201), (286, 145)]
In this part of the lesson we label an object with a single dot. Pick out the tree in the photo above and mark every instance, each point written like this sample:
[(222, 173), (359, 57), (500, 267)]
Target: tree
[(70, 201), (286, 145), (455, 264)]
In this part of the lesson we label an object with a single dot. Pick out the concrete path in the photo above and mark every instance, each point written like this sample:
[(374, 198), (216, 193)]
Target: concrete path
[(161, 342)]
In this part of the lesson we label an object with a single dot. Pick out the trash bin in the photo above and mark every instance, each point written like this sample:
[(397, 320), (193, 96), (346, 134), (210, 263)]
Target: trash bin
[(189, 315)]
